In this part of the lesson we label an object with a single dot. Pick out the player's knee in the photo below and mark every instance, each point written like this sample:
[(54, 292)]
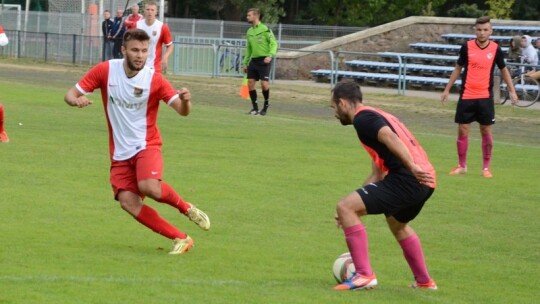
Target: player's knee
[(152, 190), (342, 207)]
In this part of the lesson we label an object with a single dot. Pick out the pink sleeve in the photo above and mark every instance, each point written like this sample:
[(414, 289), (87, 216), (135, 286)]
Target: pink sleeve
[(96, 78)]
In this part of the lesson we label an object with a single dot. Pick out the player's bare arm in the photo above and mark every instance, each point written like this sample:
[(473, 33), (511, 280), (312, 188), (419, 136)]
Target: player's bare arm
[(164, 61), (390, 139), (75, 98), (508, 79), (182, 104), (453, 77)]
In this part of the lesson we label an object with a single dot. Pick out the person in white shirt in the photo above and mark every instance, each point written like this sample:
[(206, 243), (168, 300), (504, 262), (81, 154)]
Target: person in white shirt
[(159, 35), (131, 93)]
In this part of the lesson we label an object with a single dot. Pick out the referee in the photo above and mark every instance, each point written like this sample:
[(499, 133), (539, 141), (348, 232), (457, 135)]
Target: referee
[(261, 47)]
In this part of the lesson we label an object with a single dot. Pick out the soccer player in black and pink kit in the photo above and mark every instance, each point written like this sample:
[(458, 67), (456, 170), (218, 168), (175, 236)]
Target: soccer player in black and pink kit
[(131, 93), (401, 181), (479, 57)]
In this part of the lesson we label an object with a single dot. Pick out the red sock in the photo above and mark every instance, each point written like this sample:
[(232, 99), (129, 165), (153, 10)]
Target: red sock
[(412, 250), (462, 146), (1, 118), (170, 197), (487, 146), (357, 241), (151, 219)]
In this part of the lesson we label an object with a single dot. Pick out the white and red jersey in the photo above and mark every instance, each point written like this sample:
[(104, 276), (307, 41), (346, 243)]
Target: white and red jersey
[(131, 21), (159, 34), (3, 38), (131, 105)]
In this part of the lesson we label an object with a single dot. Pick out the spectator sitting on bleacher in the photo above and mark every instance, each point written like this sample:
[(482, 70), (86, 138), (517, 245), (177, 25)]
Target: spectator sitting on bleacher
[(515, 51), (530, 55)]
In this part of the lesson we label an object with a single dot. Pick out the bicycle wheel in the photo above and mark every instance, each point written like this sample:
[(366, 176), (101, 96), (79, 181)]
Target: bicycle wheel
[(503, 95), (527, 90)]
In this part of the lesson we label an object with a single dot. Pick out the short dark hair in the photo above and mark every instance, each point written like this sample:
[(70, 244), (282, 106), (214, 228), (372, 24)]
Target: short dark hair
[(135, 34), (347, 89), (483, 20)]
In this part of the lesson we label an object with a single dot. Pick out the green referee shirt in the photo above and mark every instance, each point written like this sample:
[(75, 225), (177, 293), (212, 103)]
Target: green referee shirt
[(260, 43)]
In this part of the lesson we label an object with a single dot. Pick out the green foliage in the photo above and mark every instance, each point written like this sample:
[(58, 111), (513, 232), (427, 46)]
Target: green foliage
[(428, 11), (467, 11), (500, 9), (271, 10)]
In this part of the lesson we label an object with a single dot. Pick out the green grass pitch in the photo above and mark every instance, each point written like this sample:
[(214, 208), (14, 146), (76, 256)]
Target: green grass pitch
[(269, 185)]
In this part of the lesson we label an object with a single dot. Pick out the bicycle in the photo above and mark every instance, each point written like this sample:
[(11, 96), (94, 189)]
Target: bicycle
[(527, 88)]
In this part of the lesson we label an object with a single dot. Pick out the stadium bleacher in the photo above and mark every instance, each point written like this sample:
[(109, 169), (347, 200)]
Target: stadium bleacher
[(429, 68)]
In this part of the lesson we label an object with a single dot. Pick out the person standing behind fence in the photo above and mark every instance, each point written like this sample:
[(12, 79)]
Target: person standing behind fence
[(131, 21), (261, 47), (118, 33), (159, 35), (479, 57), (3, 135), (107, 30)]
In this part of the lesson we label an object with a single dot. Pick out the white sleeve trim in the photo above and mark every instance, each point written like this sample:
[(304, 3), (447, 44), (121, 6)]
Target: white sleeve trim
[(81, 90), (172, 99)]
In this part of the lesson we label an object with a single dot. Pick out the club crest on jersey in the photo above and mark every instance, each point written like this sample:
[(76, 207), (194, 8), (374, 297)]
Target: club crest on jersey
[(137, 92), (154, 33), (489, 55)]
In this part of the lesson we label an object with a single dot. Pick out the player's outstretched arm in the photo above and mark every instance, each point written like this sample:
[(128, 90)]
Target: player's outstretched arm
[(453, 77), (182, 104), (75, 98)]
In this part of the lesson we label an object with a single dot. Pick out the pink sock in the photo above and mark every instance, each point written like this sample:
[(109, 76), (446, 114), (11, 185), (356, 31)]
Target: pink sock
[(151, 219), (170, 197), (462, 146), (412, 250), (487, 146), (356, 238), (1, 117)]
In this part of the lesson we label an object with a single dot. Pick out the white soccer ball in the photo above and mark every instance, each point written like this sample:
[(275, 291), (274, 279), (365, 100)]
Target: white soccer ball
[(343, 268)]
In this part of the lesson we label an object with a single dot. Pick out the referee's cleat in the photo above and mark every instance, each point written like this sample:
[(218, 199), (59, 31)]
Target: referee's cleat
[(181, 245), (198, 217), (429, 285), (458, 170), (358, 282), (264, 110), (4, 137), (486, 173), (253, 112)]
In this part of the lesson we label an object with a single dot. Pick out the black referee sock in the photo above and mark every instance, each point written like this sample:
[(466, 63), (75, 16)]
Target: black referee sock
[(266, 95), (253, 97)]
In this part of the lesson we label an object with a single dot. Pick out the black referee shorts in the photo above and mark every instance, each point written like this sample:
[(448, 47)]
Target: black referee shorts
[(258, 69), (398, 195)]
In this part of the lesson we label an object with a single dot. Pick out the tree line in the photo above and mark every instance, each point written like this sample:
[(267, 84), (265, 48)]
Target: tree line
[(352, 12)]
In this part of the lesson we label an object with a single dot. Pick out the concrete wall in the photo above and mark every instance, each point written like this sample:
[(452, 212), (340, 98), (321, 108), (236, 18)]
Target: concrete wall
[(394, 36)]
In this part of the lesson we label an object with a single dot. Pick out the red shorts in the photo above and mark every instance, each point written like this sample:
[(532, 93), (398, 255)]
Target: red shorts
[(125, 174)]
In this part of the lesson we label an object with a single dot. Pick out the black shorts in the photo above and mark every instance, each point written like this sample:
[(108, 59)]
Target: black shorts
[(398, 195), (480, 110), (258, 70)]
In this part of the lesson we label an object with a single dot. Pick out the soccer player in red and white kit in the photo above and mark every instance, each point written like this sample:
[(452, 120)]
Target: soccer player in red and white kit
[(133, 18), (159, 35), (479, 57), (3, 134), (131, 94), (401, 181)]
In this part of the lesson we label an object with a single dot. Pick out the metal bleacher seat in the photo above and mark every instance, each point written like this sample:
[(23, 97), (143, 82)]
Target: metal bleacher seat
[(422, 57), (460, 38), (388, 78), (517, 29), (448, 48), (393, 66)]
